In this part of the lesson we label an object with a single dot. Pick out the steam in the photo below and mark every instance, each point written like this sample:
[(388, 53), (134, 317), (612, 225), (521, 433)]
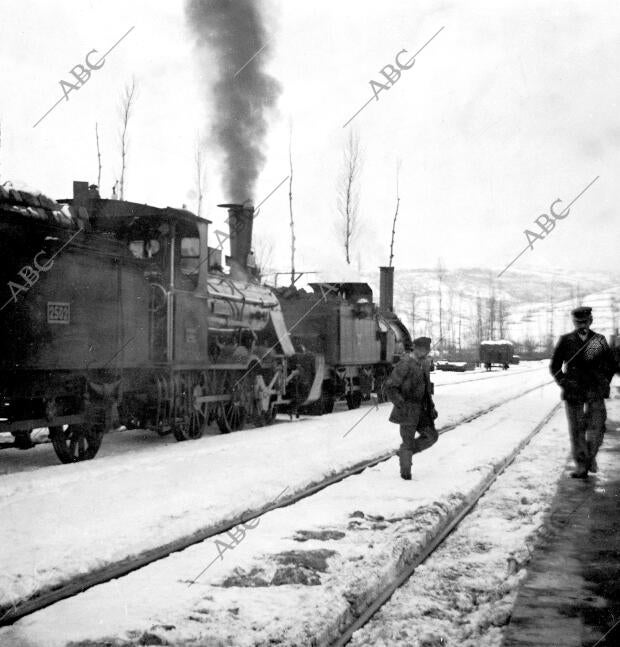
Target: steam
[(228, 34)]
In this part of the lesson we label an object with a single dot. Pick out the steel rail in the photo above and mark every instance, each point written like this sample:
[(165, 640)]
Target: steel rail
[(12, 612), (451, 524), (484, 377)]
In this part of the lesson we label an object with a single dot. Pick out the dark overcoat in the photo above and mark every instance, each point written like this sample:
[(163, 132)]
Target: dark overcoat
[(589, 367), (409, 388)]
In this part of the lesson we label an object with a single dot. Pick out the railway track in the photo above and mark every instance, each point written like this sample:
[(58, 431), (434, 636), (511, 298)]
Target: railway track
[(487, 377), (46, 598), (450, 525), (10, 445)]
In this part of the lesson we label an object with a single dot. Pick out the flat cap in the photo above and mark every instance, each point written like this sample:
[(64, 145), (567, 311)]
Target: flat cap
[(422, 342), (583, 312)]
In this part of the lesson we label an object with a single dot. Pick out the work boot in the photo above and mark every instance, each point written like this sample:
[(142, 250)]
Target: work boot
[(579, 473), (593, 466), (404, 457)]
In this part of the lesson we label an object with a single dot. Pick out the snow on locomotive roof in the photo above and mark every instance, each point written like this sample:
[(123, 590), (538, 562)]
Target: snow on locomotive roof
[(496, 342), (350, 290), (125, 209), (34, 204), (26, 195)]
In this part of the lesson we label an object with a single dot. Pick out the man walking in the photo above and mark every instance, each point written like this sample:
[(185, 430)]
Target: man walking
[(410, 390), (583, 365)]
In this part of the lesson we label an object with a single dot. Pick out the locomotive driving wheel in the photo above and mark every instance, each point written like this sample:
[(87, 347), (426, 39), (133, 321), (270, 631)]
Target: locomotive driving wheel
[(190, 415), (78, 442), (231, 416), (250, 402)]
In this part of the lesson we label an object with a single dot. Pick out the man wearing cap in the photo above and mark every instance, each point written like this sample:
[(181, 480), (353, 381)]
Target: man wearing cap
[(583, 365), (409, 388)]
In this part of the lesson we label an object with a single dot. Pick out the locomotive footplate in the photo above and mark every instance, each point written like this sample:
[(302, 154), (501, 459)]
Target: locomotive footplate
[(26, 425)]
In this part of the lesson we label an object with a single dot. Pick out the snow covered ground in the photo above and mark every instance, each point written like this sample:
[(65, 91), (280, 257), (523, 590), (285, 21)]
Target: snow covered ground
[(464, 593), (292, 577), (114, 443), (62, 521)]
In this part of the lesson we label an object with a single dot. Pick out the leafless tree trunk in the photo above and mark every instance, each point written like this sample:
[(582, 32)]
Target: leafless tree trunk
[(500, 318), (413, 314), (441, 273), (550, 315), (450, 320), (503, 312), (491, 320), (200, 174), (290, 201), (460, 321), (492, 301), (429, 319), (348, 192), (126, 111), (395, 212), (98, 156), (478, 319)]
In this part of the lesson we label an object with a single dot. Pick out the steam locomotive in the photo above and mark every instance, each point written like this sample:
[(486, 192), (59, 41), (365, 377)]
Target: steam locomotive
[(357, 341), (118, 313)]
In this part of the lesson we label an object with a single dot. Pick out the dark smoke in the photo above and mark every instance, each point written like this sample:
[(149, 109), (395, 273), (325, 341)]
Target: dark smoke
[(228, 33)]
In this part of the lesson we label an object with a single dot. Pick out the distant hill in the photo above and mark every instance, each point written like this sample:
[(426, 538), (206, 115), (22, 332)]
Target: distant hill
[(530, 304)]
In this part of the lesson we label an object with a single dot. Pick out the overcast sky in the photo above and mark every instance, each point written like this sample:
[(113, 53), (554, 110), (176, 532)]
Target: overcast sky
[(512, 106)]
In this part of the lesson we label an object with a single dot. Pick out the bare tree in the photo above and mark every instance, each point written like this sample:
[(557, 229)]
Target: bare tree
[(398, 164), (290, 200), (479, 319), (503, 312), (200, 174), (551, 312), (348, 192), (450, 320), (413, 314), (492, 304), (98, 156), (263, 254), (460, 319), (126, 111), (428, 327), (441, 274)]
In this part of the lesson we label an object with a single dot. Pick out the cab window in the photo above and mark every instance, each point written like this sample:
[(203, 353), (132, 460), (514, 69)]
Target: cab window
[(190, 256), (136, 247), (144, 248)]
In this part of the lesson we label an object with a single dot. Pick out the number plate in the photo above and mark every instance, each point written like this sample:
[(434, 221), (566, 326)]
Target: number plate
[(58, 313), (191, 335)]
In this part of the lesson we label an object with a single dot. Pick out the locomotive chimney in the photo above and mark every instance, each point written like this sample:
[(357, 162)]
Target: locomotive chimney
[(240, 220), (386, 289)]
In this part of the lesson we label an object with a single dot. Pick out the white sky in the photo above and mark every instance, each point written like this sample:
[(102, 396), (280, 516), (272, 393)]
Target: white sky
[(513, 105)]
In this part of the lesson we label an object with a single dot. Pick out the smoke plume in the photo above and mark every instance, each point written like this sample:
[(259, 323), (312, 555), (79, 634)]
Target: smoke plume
[(229, 33)]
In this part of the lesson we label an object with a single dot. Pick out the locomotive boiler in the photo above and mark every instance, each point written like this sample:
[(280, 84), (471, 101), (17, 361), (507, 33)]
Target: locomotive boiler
[(120, 313)]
